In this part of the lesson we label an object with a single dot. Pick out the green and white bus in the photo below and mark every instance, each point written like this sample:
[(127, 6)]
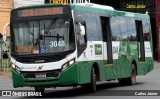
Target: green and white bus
[(78, 44)]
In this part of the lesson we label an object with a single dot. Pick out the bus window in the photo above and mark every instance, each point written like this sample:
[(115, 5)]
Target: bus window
[(115, 29), (131, 29), (81, 33), (146, 32), (123, 28), (82, 29), (91, 25), (81, 37)]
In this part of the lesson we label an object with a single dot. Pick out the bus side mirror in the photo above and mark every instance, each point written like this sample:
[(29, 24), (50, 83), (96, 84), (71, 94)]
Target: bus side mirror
[(82, 30), (5, 32)]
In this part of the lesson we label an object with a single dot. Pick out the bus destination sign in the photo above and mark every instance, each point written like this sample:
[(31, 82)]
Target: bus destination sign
[(40, 11)]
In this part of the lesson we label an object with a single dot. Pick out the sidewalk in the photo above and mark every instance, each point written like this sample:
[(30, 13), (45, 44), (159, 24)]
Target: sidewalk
[(156, 65), (7, 74)]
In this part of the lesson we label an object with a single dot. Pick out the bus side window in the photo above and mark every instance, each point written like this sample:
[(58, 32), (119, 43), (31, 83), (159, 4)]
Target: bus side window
[(81, 33), (146, 30)]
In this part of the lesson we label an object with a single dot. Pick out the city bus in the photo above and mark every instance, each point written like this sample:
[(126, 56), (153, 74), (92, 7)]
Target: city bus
[(56, 45)]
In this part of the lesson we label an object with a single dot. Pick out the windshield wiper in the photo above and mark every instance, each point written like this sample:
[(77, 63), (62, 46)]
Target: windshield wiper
[(46, 30), (34, 41), (49, 27), (28, 27)]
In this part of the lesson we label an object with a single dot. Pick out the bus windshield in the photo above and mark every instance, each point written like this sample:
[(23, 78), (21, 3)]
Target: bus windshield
[(47, 36)]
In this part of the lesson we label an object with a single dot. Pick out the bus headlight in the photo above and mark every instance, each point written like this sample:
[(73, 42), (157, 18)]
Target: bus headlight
[(16, 68), (71, 62), (68, 64), (13, 66)]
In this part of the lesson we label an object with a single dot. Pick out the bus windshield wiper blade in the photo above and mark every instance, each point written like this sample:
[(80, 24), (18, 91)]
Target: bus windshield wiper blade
[(50, 26), (34, 41), (28, 27)]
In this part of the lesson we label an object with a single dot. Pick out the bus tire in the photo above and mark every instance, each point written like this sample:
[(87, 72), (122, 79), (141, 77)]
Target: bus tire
[(132, 80), (39, 90), (93, 81), (122, 82)]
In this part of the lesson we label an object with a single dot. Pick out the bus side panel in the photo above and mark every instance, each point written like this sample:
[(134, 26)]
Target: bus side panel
[(84, 72), (141, 68), (145, 67), (149, 64), (70, 75), (113, 70), (17, 79)]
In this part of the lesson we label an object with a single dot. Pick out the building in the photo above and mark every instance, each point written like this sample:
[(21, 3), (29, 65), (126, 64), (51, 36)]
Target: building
[(5, 8), (19, 3), (157, 12), (7, 5)]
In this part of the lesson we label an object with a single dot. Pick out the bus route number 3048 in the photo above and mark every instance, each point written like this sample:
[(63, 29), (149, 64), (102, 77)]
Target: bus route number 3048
[(57, 43)]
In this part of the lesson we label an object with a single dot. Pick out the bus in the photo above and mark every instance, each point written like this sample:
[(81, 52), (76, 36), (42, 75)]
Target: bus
[(56, 45)]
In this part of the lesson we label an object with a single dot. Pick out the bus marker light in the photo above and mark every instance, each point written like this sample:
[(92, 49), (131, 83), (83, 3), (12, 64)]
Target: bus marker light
[(18, 69), (64, 66)]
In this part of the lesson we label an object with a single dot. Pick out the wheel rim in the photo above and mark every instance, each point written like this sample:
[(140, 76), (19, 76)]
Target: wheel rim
[(94, 80), (133, 78)]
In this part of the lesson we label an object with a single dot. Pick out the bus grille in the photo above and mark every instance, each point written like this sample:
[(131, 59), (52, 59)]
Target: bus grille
[(54, 73), (43, 59)]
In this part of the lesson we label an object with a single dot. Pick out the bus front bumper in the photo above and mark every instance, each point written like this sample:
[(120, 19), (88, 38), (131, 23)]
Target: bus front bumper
[(67, 77)]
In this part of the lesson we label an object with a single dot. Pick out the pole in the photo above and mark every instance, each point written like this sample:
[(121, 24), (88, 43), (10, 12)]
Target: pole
[(1, 54)]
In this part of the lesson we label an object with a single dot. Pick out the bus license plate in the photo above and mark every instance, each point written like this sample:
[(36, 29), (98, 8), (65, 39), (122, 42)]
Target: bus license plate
[(40, 75)]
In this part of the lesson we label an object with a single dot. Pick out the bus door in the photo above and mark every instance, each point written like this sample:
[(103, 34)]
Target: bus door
[(140, 40), (106, 32)]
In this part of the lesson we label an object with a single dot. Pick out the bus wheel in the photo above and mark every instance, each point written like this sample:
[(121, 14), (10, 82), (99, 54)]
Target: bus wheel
[(122, 81), (39, 90), (93, 81), (132, 80)]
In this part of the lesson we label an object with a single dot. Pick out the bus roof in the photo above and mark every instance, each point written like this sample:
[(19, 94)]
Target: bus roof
[(96, 6), (106, 10), (91, 7), (37, 5)]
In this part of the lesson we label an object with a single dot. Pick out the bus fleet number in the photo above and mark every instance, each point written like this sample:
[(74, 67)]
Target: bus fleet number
[(57, 44)]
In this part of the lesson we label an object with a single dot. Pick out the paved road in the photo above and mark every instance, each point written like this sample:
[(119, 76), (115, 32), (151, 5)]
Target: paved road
[(105, 90)]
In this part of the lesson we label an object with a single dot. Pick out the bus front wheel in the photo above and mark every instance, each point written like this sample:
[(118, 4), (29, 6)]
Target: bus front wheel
[(93, 81), (132, 79)]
